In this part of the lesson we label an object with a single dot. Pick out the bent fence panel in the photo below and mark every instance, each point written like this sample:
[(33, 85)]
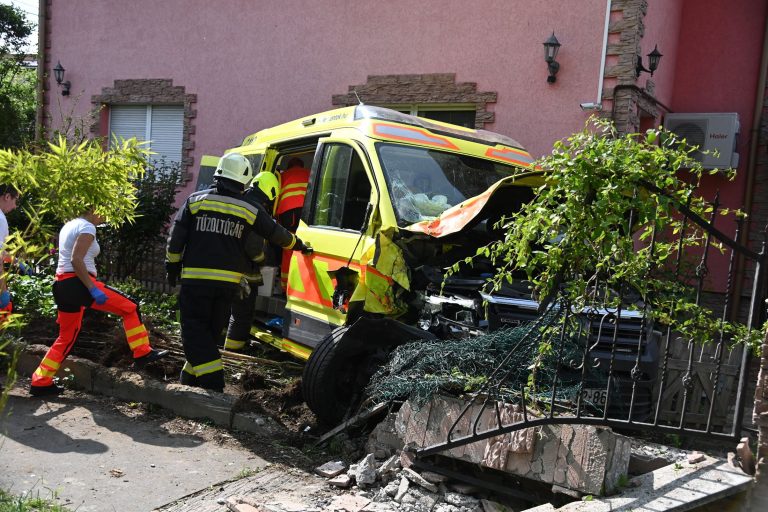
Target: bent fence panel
[(633, 374)]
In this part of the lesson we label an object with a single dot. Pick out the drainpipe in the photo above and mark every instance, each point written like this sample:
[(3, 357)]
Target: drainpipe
[(598, 105), (749, 191), (42, 22)]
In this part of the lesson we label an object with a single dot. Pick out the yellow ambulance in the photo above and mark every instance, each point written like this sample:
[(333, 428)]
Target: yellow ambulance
[(392, 201)]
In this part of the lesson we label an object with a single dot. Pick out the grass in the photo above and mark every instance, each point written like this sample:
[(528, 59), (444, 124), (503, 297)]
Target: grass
[(11, 503)]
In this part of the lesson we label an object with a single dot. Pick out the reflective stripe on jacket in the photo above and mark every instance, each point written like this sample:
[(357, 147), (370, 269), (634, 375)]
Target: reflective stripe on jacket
[(293, 188)]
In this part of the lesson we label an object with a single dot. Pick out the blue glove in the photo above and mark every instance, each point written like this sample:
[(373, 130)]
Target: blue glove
[(99, 297), (5, 298), (25, 270)]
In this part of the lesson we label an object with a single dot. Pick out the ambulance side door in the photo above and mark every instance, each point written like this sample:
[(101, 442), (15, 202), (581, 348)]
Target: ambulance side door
[(338, 195)]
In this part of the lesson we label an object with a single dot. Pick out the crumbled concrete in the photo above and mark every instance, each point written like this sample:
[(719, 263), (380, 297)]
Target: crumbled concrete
[(364, 472), (331, 469), (341, 481), (388, 468), (402, 489), (460, 500), (419, 480), (696, 457), (383, 441), (435, 478), (348, 503), (420, 499)]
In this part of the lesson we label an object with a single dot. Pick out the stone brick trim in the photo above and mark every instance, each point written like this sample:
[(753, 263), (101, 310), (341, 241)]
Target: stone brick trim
[(151, 91), (425, 89), (628, 102)]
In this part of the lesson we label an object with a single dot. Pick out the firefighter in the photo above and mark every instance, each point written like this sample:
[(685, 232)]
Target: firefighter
[(215, 237), (9, 198), (76, 288), (262, 193), (293, 188)]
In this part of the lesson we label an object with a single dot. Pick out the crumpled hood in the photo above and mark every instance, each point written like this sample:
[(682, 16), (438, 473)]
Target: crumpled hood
[(457, 218)]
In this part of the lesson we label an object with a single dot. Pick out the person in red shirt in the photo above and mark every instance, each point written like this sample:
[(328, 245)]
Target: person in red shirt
[(293, 189)]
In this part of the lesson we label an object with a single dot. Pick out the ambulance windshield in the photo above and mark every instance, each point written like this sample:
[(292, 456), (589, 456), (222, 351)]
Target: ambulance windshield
[(424, 182)]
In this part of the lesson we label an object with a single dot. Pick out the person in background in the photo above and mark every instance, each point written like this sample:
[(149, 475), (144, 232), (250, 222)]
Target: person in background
[(9, 199), (215, 239), (293, 189), (262, 193), (77, 288)]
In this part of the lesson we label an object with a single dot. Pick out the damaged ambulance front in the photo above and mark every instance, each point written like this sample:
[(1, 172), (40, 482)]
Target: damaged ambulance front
[(438, 192)]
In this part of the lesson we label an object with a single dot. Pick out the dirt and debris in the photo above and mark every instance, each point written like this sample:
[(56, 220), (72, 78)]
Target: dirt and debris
[(263, 379)]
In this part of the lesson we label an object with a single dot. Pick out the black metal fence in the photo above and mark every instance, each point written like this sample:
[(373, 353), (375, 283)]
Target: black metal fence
[(635, 372)]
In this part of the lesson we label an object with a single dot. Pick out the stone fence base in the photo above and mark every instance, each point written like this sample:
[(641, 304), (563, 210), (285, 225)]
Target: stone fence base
[(585, 459)]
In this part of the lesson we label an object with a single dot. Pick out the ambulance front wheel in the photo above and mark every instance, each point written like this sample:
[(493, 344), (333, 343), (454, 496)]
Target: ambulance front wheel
[(338, 371)]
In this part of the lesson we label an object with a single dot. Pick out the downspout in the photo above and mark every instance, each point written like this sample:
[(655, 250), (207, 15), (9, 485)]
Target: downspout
[(42, 22), (598, 105), (749, 192)]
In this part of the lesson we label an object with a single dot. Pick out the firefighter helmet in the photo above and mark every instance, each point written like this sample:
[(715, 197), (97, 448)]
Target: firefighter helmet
[(235, 167), (268, 184)]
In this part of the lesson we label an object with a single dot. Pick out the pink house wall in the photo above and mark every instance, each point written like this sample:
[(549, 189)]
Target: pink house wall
[(255, 64), (716, 70)]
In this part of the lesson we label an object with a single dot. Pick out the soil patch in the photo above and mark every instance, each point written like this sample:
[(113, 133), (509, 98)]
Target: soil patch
[(263, 379)]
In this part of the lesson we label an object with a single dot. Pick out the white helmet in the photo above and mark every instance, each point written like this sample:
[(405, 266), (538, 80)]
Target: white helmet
[(235, 167)]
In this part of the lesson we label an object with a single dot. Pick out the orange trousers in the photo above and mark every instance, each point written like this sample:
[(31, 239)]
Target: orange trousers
[(72, 299)]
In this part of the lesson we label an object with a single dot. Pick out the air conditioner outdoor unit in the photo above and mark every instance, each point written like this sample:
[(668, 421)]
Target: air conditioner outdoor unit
[(711, 132)]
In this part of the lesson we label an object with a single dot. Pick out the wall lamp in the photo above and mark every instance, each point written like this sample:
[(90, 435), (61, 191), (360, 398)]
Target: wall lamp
[(58, 73), (653, 62), (551, 47)]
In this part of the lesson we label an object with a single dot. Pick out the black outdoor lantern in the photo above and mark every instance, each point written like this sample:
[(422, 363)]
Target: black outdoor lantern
[(551, 47), (58, 74), (653, 62)]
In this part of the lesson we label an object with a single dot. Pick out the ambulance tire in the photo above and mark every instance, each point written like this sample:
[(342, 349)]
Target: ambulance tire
[(337, 373)]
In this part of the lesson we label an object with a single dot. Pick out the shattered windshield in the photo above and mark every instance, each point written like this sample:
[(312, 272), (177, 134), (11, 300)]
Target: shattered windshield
[(424, 182)]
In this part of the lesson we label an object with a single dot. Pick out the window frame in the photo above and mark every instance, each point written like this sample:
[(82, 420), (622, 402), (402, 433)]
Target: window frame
[(148, 127), (316, 176)]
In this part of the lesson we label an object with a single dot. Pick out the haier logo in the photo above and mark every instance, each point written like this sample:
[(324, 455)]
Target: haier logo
[(718, 136)]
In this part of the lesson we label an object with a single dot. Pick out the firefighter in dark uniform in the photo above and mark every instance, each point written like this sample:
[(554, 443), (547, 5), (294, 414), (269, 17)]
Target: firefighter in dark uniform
[(262, 193), (214, 238)]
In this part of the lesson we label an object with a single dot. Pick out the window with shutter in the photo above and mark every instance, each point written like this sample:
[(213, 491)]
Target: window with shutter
[(162, 125)]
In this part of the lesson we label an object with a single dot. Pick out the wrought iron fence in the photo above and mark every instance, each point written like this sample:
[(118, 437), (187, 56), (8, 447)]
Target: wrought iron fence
[(633, 372)]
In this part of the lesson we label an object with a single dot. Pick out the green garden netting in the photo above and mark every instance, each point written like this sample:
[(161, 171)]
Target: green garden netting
[(540, 357)]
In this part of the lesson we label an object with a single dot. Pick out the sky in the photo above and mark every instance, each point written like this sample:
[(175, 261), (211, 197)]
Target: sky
[(30, 10)]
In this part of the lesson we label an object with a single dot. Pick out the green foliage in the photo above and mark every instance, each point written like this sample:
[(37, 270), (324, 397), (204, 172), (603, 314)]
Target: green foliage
[(17, 108), (157, 307), (586, 236), (17, 83), (32, 296), (28, 503), (128, 245), (66, 181)]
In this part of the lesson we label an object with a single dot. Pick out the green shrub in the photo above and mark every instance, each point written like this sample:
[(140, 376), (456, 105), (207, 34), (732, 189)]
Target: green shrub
[(157, 307)]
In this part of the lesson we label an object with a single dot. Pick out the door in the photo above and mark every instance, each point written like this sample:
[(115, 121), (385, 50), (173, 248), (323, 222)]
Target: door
[(338, 196)]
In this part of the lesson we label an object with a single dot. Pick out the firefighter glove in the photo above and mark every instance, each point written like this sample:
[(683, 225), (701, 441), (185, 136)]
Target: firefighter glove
[(301, 246), (99, 297), (244, 290), (5, 298), (172, 272)]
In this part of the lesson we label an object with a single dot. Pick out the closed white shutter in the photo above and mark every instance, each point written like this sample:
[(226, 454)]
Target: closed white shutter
[(166, 132), (126, 121), (162, 125)]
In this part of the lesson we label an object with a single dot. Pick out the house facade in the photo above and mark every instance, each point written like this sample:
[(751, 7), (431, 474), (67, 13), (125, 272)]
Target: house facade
[(195, 77)]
